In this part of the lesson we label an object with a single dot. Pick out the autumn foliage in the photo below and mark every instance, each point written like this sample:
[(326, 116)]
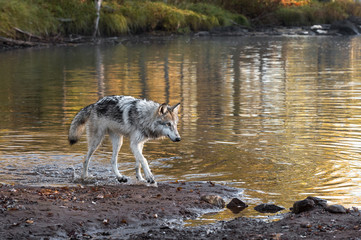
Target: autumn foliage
[(295, 2)]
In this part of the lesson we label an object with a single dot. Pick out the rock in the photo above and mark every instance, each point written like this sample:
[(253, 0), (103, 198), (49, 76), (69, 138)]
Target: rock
[(345, 27), (303, 206), (336, 209), (308, 204), (321, 32), (323, 29), (318, 201), (214, 200), (236, 205), (268, 208), (315, 27)]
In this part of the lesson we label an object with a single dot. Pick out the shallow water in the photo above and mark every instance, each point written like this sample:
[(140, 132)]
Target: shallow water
[(278, 117)]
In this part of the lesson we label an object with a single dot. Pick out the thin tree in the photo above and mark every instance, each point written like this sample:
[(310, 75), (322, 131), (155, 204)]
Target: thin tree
[(98, 5)]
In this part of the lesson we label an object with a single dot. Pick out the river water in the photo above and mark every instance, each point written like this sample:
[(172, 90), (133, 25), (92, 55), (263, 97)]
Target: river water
[(278, 117)]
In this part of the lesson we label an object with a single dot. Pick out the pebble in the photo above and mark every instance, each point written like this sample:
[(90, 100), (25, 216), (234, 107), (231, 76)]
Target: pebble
[(268, 208), (236, 205), (214, 200), (336, 209)]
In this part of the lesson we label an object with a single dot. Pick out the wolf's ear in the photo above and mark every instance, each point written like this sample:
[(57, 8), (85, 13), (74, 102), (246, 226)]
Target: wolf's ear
[(175, 108), (163, 109)]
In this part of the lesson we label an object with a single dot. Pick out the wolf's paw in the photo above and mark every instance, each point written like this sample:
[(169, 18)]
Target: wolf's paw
[(150, 179), (122, 179)]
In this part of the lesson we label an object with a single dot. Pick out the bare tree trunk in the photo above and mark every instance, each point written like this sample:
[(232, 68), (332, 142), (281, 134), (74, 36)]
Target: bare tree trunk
[(98, 5)]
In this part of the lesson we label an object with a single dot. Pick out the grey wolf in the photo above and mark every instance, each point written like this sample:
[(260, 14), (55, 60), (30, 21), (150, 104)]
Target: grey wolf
[(139, 120)]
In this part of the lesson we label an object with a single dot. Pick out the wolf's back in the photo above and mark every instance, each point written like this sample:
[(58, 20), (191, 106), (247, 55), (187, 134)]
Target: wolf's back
[(77, 126)]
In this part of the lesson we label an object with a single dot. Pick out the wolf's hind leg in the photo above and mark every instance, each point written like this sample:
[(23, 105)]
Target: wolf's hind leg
[(117, 142), (94, 140)]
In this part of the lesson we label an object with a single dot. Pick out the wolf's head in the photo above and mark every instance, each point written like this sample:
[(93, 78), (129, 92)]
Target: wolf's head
[(167, 120)]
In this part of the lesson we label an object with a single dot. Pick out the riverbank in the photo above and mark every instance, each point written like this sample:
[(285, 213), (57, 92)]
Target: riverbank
[(235, 31), (149, 212), (45, 23)]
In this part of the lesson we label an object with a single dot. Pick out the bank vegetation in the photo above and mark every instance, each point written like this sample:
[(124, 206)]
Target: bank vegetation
[(48, 19)]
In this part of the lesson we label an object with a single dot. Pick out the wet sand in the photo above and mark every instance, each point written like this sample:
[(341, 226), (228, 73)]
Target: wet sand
[(131, 211)]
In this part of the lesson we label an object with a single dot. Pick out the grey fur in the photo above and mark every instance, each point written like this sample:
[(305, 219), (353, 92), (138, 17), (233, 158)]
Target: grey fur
[(119, 116)]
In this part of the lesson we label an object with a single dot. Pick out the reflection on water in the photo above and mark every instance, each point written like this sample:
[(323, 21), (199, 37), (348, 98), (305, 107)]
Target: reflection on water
[(277, 117)]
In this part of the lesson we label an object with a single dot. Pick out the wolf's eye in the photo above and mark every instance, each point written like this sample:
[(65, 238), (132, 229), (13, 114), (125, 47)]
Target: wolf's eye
[(168, 124)]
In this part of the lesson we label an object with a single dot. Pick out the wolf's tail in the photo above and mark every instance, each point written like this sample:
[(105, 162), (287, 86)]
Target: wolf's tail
[(77, 126)]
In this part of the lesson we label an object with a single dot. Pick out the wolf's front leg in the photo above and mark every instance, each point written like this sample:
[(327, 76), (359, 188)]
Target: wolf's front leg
[(117, 141), (138, 166), (137, 149)]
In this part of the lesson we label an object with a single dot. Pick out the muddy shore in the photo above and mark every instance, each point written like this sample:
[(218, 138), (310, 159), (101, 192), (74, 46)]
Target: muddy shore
[(137, 211)]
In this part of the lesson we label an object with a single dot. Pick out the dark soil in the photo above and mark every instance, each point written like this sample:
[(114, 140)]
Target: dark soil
[(315, 224), (148, 212), (99, 211)]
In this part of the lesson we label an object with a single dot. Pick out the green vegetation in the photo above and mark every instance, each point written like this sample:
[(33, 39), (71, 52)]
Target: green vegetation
[(25, 16), (73, 16), (48, 18), (148, 16)]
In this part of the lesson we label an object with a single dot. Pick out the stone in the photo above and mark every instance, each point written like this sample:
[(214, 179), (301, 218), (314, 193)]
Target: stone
[(303, 206), (321, 32), (336, 209), (214, 200), (236, 205), (318, 201), (268, 208), (315, 27)]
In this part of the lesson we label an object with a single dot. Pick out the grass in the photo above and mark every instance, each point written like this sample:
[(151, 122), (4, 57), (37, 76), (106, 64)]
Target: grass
[(144, 16), (47, 18), (220, 15), (25, 16), (80, 15)]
